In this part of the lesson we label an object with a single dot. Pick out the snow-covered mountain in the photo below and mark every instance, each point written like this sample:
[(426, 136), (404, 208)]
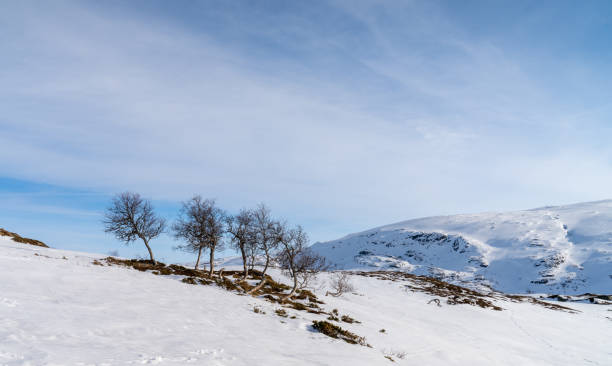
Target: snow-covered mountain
[(564, 249)]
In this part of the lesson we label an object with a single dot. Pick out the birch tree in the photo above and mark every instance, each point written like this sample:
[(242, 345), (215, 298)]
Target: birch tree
[(130, 217), (202, 225), (242, 235), (297, 260), (265, 238)]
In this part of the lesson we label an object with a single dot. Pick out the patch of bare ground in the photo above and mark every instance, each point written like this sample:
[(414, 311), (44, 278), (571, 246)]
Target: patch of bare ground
[(19, 239), (455, 294), (522, 298), (598, 299), (302, 300), (334, 331)]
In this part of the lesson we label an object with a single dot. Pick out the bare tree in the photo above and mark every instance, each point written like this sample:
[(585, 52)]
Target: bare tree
[(202, 225), (264, 233), (265, 238), (297, 260), (252, 250), (242, 235), (131, 217), (340, 283), (191, 226)]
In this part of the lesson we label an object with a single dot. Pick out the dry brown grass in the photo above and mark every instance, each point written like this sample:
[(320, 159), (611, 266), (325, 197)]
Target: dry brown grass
[(455, 294), (232, 281), (281, 313), (521, 298), (19, 239), (334, 331), (348, 319)]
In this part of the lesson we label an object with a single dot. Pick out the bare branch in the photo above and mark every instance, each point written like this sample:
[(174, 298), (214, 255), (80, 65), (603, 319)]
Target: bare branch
[(243, 236), (131, 217), (297, 260), (201, 225), (340, 283)]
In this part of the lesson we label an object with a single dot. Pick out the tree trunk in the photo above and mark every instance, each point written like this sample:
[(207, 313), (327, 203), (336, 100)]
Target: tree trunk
[(212, 261), (267, 263), (259, 285), (198, 261), (252, 263), (292, 290), (293, 274), (150, 251), (263, 275), (244, 262)]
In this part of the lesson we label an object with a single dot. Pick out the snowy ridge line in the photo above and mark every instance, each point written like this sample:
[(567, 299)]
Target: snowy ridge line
[(19, 239), (565, 250)]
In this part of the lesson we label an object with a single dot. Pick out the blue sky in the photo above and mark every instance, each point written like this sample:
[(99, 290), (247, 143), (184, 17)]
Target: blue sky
[(340, 115)]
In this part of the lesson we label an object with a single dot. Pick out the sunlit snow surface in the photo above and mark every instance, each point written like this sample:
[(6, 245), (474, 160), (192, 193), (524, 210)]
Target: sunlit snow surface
[(565, 249), (57, 308)]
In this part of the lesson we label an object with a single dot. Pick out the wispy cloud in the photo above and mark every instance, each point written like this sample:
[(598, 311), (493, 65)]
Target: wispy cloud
[(343, 114)]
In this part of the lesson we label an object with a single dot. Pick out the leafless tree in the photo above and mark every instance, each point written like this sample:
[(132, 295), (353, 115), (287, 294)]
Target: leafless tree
[(202, 225), (191, 226), (264, 233), (252, 251), (340, 283), (242, 235), (297, 260), (265, 237), (130, 217)]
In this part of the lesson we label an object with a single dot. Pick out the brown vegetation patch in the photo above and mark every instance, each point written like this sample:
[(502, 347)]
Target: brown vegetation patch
[(281, 313), (454, 294), (189, 280), (19, 239), (192, 276), (348, 319), (297, 305), (307, 295), (334, 331), (227, 284), (272, 291), (521, 298)]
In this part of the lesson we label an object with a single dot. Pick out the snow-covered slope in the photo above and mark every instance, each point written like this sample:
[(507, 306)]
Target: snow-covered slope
[(565, 249), (57, 308)]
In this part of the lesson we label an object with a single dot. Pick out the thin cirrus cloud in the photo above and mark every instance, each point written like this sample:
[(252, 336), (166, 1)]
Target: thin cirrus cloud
[(341, 115)]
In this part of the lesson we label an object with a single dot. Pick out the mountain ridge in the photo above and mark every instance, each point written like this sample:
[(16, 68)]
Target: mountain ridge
[(554, 249)]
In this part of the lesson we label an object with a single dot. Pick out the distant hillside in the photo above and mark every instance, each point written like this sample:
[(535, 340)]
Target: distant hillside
[(20, 239), (565, 249)]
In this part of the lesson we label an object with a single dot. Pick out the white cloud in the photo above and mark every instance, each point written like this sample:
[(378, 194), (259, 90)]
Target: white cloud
[(119, 102)]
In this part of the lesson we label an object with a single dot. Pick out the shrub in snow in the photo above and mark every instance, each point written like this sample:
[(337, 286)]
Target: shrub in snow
[(340, 284), (335, 331)]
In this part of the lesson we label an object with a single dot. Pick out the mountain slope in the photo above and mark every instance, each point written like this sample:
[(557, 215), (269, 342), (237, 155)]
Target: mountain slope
[(58, 308), (564, 249)]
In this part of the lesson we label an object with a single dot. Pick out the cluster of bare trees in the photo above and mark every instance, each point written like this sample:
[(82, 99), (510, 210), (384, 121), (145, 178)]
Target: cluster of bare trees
[(202, 226)]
